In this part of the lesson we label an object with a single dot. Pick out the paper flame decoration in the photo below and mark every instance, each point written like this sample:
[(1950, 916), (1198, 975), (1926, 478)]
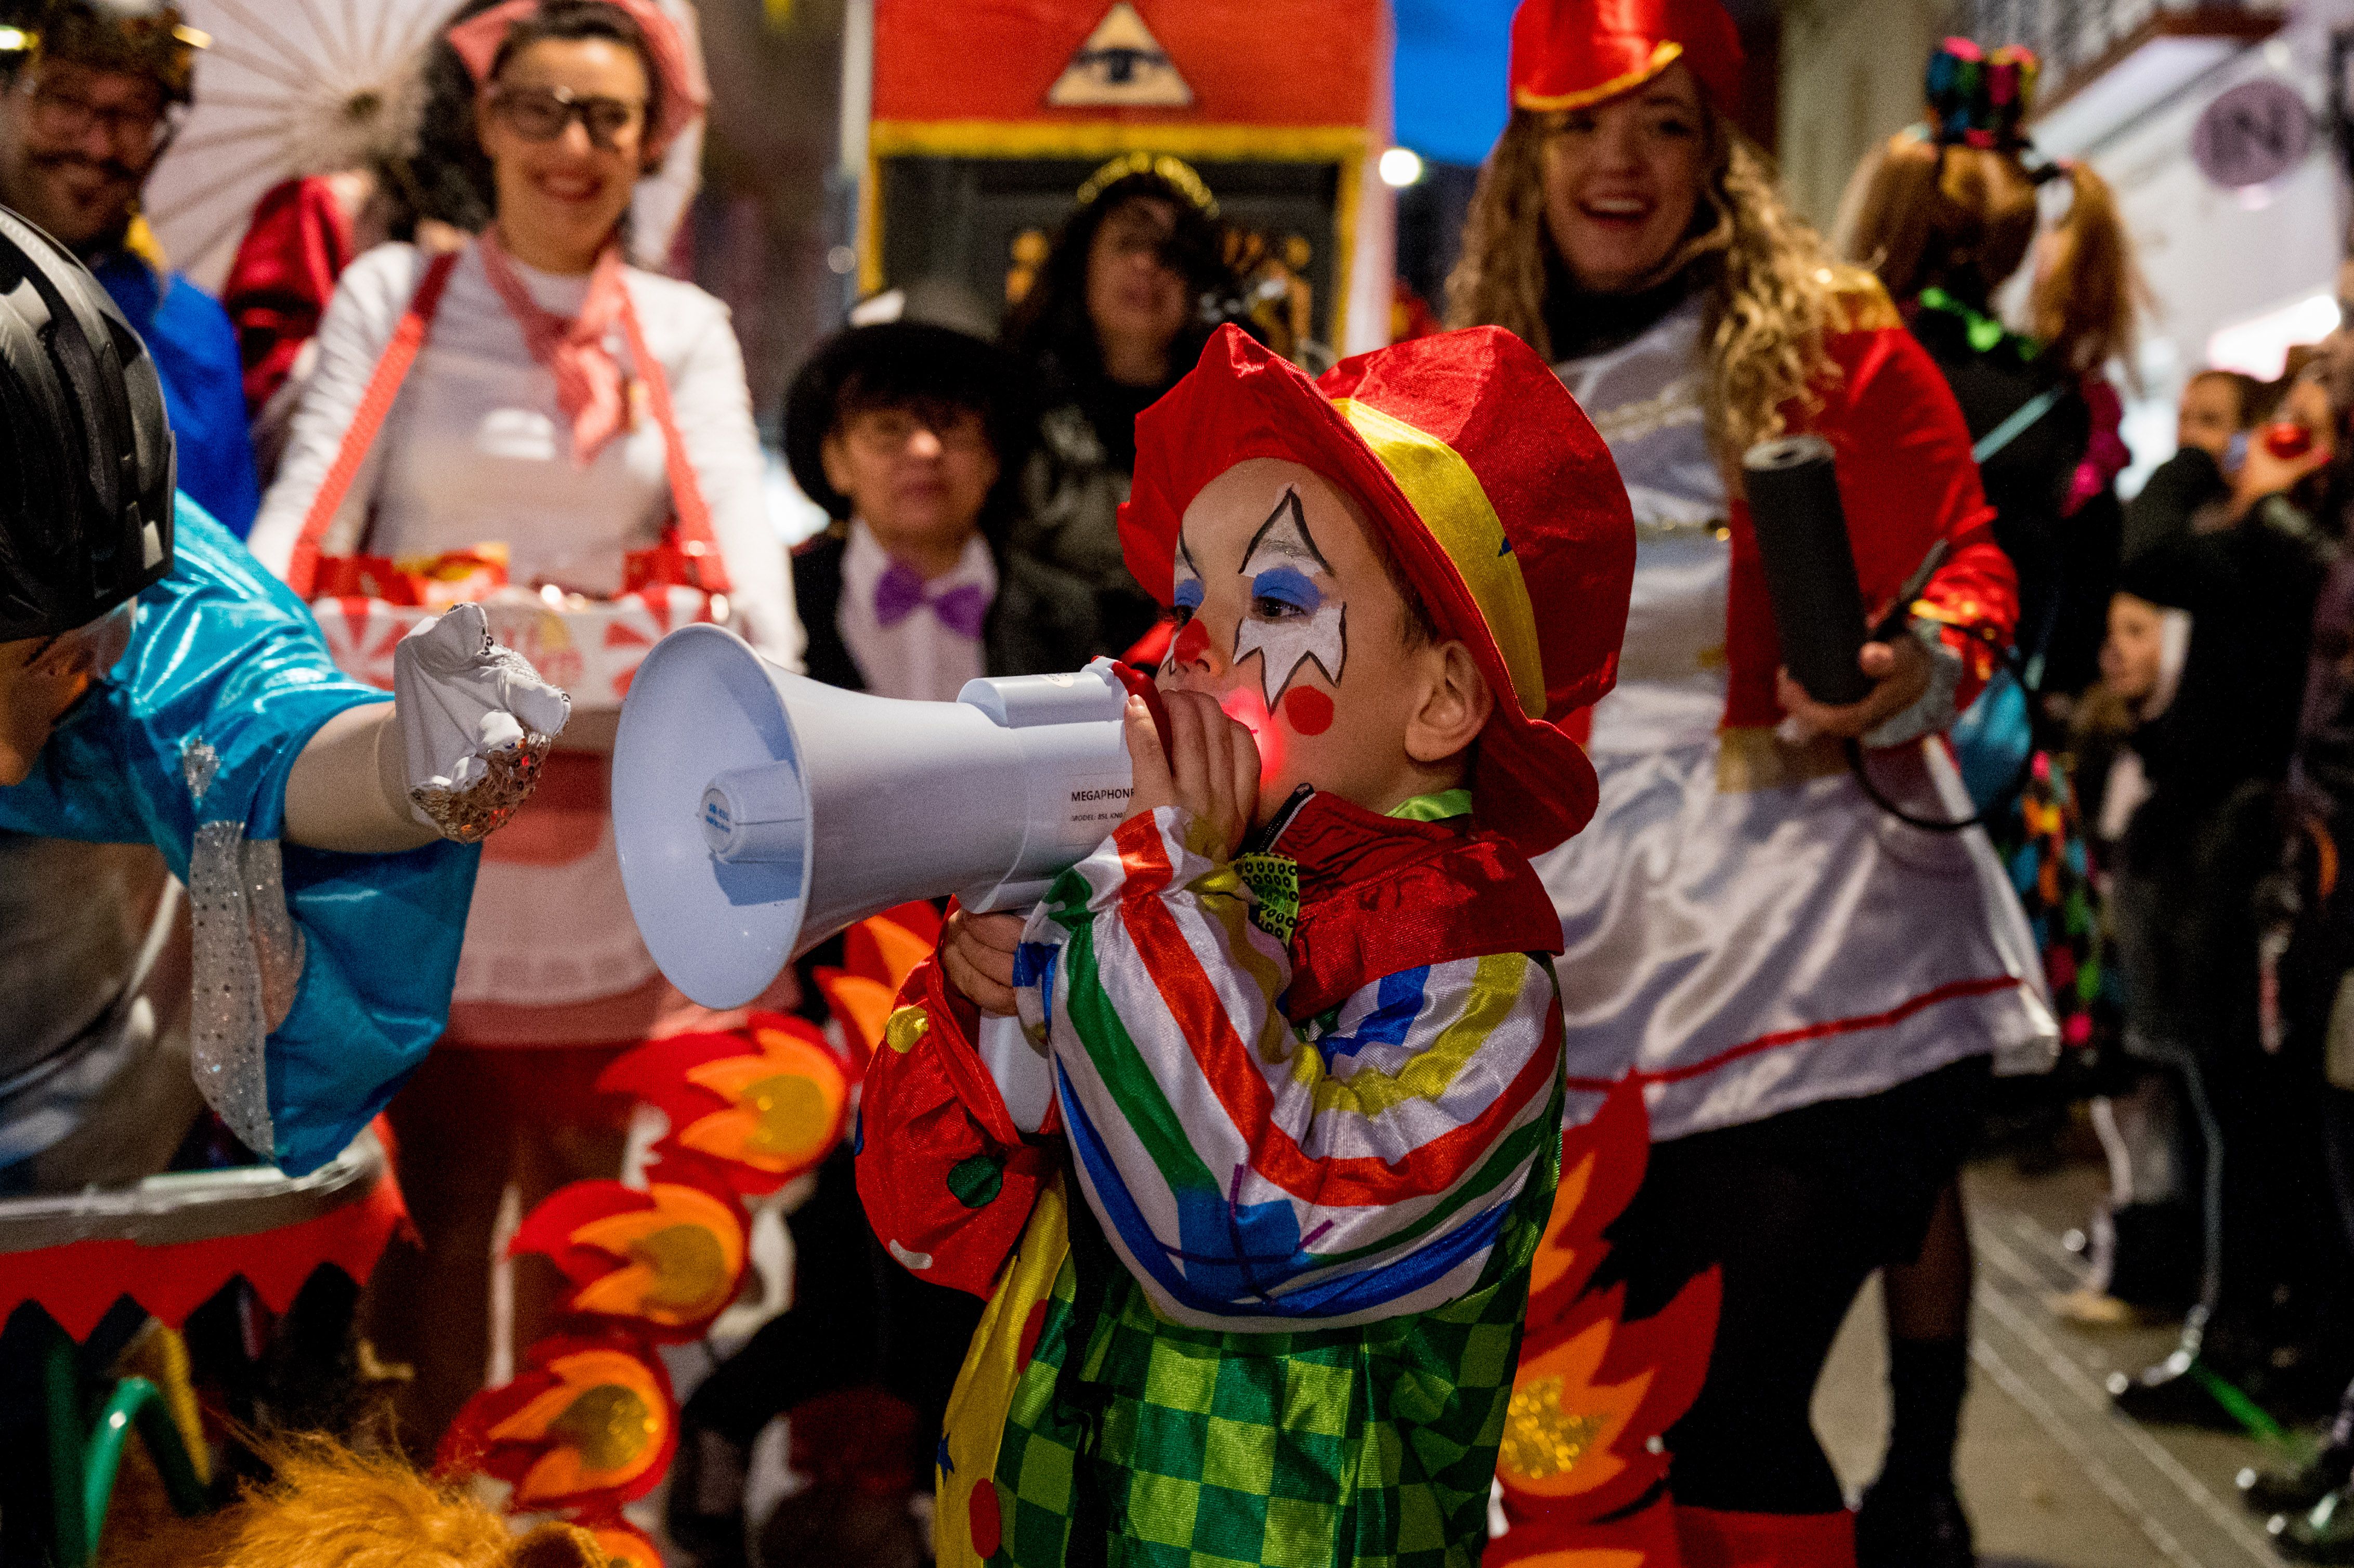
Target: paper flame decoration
[(1593, 1389), (766, 1102), (669, 1258), (624, 1544), (590, 1422), (877, 957)]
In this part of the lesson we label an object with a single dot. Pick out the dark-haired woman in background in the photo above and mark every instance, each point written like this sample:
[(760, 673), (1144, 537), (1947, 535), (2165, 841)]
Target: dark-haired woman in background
[(578, 412), (1130, 292)]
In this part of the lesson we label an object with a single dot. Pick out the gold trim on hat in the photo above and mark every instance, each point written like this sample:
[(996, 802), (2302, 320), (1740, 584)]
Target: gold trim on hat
[(1448, 499), (1665, 54), (1170, 170)]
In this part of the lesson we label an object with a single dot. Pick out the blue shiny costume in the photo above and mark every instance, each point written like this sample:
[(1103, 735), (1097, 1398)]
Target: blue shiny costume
[(188, 744), (194, 348)]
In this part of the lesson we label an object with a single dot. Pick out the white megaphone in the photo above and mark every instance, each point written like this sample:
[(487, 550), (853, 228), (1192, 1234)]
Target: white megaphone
[(758, 812)]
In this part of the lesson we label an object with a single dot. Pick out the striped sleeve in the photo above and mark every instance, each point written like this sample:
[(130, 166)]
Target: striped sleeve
[(1253, 1175)]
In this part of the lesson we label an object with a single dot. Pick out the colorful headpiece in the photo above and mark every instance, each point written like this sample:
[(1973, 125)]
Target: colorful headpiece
[(1175, 173), (1979, 98), (685, 92), (1567, 54), (1487, 485)]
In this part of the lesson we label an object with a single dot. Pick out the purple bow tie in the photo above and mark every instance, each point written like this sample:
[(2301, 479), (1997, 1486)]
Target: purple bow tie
[(901, 593)]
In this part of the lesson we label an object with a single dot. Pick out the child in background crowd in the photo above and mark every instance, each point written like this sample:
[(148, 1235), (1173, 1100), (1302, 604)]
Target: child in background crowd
[(2217, 407), (912, 437)]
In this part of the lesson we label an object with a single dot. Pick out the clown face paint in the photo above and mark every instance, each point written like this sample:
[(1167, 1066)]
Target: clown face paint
[(1292, 620), (1193, 635)]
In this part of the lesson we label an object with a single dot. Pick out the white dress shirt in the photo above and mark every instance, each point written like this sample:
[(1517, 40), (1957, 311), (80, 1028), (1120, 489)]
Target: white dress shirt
[(921, 657)]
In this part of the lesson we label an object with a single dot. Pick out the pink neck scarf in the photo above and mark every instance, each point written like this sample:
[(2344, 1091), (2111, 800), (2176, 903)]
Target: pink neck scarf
[(588, 384)]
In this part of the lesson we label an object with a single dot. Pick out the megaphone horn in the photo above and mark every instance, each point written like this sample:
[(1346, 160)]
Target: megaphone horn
[(758, 812)]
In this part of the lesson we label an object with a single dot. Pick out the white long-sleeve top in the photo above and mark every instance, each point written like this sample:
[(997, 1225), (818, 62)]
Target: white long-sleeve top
[(476, 449)]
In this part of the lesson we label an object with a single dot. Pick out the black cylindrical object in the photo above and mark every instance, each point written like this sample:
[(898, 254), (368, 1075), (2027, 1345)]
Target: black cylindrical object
[(1793, 485)]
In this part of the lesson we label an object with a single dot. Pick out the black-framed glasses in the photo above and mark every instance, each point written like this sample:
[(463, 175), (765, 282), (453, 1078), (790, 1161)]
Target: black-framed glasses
[(61, 116), (541, 113)]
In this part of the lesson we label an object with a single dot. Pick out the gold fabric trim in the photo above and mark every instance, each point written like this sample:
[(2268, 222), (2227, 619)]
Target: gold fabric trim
[(1446, 495), (1755, 758), (1665, 54)]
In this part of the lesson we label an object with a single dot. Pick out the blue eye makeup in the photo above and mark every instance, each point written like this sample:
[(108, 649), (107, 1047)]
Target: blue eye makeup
[(1288, 585), (1188, 594)]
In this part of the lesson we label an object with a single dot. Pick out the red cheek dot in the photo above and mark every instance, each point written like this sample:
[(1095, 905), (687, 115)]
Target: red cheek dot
[(1193, 642), (1308, 710)]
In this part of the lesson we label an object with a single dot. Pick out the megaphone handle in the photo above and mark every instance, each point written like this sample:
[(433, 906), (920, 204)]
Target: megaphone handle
[(1140, 684)]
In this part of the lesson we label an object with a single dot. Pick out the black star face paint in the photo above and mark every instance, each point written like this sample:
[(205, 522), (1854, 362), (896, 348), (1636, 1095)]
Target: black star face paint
[(1295, 615), (1192, 639)]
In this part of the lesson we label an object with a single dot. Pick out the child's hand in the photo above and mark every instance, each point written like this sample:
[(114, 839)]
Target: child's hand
[(1212, 773), (977, 952)]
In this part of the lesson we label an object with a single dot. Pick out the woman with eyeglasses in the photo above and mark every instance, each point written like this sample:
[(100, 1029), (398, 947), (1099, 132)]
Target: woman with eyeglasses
[(591, 422)]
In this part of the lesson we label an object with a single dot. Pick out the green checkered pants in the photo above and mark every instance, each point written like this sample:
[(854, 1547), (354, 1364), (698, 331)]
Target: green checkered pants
[(1133, 1442)]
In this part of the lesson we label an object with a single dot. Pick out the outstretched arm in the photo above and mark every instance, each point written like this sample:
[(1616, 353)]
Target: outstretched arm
[(453, 755)]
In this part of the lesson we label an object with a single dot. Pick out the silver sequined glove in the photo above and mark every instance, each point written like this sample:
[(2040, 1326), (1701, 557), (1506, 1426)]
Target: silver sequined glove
[(475, 721)]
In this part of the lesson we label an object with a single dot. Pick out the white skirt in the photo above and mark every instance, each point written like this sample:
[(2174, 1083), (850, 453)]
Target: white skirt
[(1749, 933)]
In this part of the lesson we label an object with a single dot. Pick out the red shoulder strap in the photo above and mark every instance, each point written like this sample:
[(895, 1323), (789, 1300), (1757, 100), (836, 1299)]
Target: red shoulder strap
[(383, 389), (691, 517)]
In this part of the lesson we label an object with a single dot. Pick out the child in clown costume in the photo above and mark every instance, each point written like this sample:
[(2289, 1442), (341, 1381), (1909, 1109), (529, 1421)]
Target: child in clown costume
[(1257, 1278)]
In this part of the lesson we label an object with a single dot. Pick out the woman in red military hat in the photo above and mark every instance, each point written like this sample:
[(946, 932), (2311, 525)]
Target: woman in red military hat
[(1809, 988)]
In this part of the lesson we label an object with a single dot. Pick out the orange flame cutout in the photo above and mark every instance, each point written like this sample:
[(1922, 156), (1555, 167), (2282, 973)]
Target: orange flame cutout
[(588, 1425), (878, 954), (624, 1544), (666, 1260), (786, 1105), (1593, 1389), (766, 1101), (685, 1258)]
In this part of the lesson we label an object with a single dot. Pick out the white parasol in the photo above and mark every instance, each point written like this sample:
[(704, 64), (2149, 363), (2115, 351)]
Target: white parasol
[(305, 87)]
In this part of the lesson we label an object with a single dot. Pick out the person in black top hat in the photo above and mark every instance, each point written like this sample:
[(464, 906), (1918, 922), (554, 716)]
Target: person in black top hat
[(912, 437)]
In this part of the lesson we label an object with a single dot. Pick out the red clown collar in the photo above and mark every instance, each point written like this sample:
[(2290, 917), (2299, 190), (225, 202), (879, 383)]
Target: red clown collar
[(1568, 54), (1482, 479)]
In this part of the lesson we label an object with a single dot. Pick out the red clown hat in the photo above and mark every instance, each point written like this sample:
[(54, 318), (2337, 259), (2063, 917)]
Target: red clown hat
[(1567, 54), (1486, 483)]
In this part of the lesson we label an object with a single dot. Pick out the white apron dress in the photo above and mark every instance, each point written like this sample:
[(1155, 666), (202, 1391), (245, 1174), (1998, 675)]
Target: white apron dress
[(1743, 929)]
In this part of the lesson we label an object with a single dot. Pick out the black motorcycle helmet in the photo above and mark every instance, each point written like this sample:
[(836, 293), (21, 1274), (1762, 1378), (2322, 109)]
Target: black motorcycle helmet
[(86, 454)]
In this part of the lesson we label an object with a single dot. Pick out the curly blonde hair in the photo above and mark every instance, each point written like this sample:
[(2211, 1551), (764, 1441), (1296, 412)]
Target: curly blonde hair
[(1773, 293)]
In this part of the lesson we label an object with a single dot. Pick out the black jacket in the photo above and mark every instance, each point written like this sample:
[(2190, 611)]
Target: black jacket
[(1042, 623), (2067, 565)]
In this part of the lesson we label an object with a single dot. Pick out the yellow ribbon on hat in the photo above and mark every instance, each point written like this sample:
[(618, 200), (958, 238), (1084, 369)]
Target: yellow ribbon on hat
[(1663, 55), (1446, 495)]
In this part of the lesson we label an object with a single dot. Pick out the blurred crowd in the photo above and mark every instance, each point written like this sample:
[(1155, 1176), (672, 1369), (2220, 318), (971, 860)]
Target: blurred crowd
[(439, 376)]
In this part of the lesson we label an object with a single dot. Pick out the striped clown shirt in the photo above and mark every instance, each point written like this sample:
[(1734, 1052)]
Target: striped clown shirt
[(1258, 1174)]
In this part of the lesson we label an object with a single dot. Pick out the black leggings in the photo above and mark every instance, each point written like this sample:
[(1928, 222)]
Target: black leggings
[(1797, 1210)]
